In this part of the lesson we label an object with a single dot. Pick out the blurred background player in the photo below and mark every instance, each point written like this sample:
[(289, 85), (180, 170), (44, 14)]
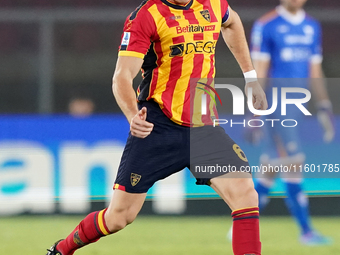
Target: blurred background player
[(286, 43), (81, 106)]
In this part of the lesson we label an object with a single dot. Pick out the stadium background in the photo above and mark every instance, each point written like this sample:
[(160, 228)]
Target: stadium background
[(53, 163)]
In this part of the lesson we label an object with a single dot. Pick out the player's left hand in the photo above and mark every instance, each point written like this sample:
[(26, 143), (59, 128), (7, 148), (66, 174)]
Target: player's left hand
[(259, 97), (326, 119), (139, 127)]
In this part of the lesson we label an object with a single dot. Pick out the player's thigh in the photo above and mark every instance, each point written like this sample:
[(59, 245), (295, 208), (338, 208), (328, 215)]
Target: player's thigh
[(236, 189), (213, 153), (162, 153)]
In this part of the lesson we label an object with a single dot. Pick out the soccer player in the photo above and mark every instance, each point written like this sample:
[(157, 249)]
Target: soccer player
[(286, 43), (174, 42)]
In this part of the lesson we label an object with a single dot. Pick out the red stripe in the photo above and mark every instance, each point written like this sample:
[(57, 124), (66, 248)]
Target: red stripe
[(178, 39), (190, 16), (198, 37), (175, 74), (188, 104), (212, 66), (245, 215), (207, 5), (245, 210), (164, 10), (216, 36), (215, 112), (159, 53), (120, 187)]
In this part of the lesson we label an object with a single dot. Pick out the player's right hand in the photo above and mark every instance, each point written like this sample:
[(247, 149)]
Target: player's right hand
[(258, 96), (139, 127)]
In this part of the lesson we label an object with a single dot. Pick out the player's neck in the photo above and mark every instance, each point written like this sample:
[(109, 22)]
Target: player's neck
[(292, 17), (292, 10), (179, 2)]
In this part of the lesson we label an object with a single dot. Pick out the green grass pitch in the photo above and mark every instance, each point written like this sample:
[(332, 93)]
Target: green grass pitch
[(32, 235)]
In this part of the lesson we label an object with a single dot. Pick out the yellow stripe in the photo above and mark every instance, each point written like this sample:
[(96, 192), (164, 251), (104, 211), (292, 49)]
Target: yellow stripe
[(247, 213), (164, 71), (197, 117), (253, 207), (208, 36), (131, 54), (187, 67), (101, 223)]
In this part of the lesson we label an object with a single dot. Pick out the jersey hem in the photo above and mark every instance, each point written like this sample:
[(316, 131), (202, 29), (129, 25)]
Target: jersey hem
[(131, 54)]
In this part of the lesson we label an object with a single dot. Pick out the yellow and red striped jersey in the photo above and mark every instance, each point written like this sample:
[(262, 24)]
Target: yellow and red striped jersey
[(177, 43)]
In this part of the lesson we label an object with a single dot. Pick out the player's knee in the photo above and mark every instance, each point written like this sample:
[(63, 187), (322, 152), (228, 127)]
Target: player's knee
[(245, 191), (130, 218), (119, 219), (243, 194), (116, 224), (252, 195)]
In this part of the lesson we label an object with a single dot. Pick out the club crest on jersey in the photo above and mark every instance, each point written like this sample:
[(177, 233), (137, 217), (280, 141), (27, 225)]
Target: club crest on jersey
[(135, 178), (206, 15)]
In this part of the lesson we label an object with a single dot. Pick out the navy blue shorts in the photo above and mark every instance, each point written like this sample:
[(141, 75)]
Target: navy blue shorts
[(207, 151)]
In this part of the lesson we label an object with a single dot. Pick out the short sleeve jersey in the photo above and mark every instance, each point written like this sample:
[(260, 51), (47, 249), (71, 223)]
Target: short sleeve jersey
[(177, 43), (291, 43)]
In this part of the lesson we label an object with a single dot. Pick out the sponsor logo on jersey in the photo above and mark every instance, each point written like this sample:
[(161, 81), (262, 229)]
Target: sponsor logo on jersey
[(206, 15), (135, 178), (295, 54), (194, 29), (298, 39), (126, 39), (192, 47), (175, 17)]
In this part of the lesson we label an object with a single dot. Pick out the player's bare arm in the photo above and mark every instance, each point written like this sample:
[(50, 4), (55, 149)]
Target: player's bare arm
[(234, 36), (318, 85), (261, 67), (323, 103), (126, 70)]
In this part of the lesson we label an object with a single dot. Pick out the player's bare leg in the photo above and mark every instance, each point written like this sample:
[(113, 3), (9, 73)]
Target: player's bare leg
[(123, 209), (237, 190)]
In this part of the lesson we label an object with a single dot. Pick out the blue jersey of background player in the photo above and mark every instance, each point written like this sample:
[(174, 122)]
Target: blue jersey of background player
[(286, 46), (291, 42)]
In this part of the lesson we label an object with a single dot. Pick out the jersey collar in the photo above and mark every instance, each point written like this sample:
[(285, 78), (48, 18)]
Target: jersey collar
[(180, 7), (295, 19)]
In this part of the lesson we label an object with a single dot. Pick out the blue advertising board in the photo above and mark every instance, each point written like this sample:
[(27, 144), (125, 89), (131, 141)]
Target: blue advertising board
[(44, 159)]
